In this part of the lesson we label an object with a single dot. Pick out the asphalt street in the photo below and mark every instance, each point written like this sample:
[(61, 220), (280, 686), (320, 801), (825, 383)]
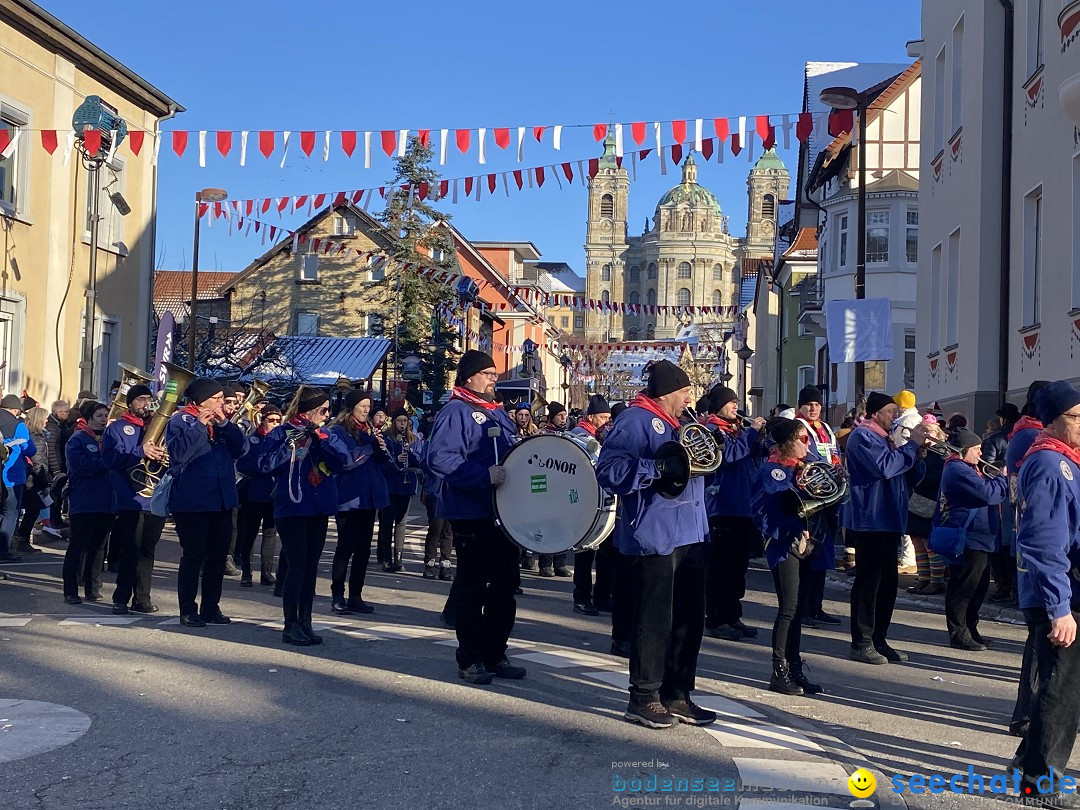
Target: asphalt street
[(146, 713)]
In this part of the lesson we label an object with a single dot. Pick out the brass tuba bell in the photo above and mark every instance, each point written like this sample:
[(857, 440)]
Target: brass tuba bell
[(702, 445), (147, 474), (819, 485), (129, 376)]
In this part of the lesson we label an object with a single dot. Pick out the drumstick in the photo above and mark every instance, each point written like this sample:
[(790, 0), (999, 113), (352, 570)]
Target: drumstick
[(495, 432)]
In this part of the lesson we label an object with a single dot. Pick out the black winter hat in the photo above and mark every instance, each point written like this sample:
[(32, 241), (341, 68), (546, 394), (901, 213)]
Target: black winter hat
[(664, 378), (962, 439), (781, 429), (354, 398), (554, 409), (137, 391), (1034, 389), (597, 404), (311, 399), (721, 395), (616, 409), (201, 389), (876, 401), (399, 412), (810, 393), (1054, 399), (473, 362), (1009, 412)]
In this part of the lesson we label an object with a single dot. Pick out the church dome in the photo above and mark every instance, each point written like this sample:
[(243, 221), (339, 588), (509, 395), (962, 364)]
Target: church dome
[(689, 192)]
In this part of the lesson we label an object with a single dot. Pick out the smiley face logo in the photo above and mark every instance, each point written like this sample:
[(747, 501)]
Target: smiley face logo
[(862, 783)]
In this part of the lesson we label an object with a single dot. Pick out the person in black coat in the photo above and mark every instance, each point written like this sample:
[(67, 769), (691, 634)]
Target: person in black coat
[(1003, 561)]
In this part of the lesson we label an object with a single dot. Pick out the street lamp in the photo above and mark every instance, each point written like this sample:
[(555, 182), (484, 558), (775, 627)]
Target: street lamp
[(206, 195), (848, 98), (744, 353)]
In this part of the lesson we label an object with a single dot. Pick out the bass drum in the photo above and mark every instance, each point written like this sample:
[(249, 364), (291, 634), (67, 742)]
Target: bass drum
[(550, 501)]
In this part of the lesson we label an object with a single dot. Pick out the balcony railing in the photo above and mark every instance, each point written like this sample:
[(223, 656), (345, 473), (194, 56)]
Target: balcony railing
[(811, 293)]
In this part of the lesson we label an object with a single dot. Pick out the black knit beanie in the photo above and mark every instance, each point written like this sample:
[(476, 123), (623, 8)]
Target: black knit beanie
[(137, 391), (201, 389), (664, 378), (473, 362)]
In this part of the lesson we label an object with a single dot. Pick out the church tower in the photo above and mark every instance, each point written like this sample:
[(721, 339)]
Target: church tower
[(605, 245), (767, 185)]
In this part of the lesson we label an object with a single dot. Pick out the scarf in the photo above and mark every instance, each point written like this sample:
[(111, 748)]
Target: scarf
[(1026, 423), (874, 427), (642, 401), (128, 416), (723, 425), (363, 427), (194, 411), (84, 426), (1045, 442), (588, 427), (473, 398), (783, 461)]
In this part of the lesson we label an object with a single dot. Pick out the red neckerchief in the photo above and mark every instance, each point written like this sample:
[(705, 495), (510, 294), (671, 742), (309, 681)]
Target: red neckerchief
[(261, 430), (473, 398), (363, 427), (551, 427), (84, 426), (642, 401), (194, 411), (128, 416), (1044, 442), (587, 426), (783, 461), (723, 425), (1026, 423)]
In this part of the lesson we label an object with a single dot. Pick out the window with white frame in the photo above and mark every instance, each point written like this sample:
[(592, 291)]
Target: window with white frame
[(912, 243), (345, 225), (939, 101), (843, 240), (806, 376), (935, 298), (683, 297), (110, 221), (307, 324), (1032, 257), (877, 237), (309, 266), (564, 321), (1035, 44), (13, 169), (375, 325), (958, 75), (952, 298), (909, 359), (684, 270)]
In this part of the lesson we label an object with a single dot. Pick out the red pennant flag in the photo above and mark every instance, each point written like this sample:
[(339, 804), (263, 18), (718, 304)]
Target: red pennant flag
[(761, 123), (637, 132), (538, 133), (266, 205), (678, 131), (540, 176), (841, 121), (315, 244), (266, 142), (358, 196), (389, 141), (468, 186), (282, 203), (569, 172), (518, 178), (618, 162), (805, 126), (135, 141), (594, 166), (422, 191), (599, 132), (722, 130), (707, 148), (179, 142), (48, 140), (502, 138), (676, 153), (224, 143), (424, 136), (444, 188), (348, 141), (301, 200), (91, 140), (203, 208), (736, 146), (769, 141), (307, 142), (218, 211), (644, 153), (462, 136), (339, 199), (320, 199), (491, 183)]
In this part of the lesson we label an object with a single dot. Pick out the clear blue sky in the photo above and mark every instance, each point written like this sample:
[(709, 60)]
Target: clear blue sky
[(373, 66)]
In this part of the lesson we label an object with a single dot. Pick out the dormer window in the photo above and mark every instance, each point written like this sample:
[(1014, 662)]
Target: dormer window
[(344, 225)]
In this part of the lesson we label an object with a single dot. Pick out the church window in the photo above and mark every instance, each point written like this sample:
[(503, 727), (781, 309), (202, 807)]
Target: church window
[(605, 273), (651, 273), (635, 274), (650, 331), (718, 272), (650, 298), (607, 206), (768, 206), (684, 269), (683, 297), (717, 298), (605, 296), (635, 297)]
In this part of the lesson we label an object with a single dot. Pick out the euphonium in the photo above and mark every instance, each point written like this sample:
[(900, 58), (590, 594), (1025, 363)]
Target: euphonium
[(147, 474), (819, 485), (702, 445), (129, 376), (258, 390)]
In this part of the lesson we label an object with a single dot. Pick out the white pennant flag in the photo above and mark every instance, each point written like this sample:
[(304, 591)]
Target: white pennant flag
[(787, 130), (742, 130), (402, 140), (698, 123), (9, 150), (856, 131), (69, 144), (556, 171), (633, 165), (556, 137), (202, 149), (285, 148), (453, 192), (581, 174), (442, 147), (658, 136), (326, 146), (506, 186), (367, 151), (479, 180), (113, 143), (480, 137), (243, 146), (750, 141), (529, 173), (618, 141), (521, 144), (157, 149)]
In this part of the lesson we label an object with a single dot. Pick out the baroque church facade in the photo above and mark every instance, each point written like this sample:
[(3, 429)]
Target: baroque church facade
[(686, 257)]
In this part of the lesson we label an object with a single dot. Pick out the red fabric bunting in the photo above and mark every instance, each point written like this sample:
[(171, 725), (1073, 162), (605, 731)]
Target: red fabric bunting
[(444, 188), (676, 153), (769, 141), (218, 210), (841, 121), (179, 142), (307, 142), (249, 207), (736, 145), (594, 166), (637, 132), (91, 140), (319, 200), (135, 141), (707, 148), (282, 203), (348, 141), (540, 176), (502, 137), (462, 136), (518, 178), (722, 129), (224, 143), (599, 132), (644, 153), (618, 162), (300, 202), (538, 133), (357, 196), (422, 191), (568, 171), (761, 123), (389, 141), (266, 205), (491, 183), (468, 186), (424, 136), (339, 199), (266, 142), (48, 140), (203, 208), (805, 126), (678, 131)]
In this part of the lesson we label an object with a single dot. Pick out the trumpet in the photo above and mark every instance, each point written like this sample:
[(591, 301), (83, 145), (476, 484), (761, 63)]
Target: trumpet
[(944, 449), (744, 420)]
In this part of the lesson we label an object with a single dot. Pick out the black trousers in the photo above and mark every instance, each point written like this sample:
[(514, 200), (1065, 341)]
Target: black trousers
[(669, 620), (1003, 567), (302, 541), (791, 579), (204, 544), (733, 540), (26, 523), (815, 591), (354, 531), (252, 516), (552, 560), (484, 605), (88, 533), (964, 595), (603, 557), (392, 527), (134, 541), (873, 593), (622, 599), (1055, 706), (1029, 680), (440, 537)]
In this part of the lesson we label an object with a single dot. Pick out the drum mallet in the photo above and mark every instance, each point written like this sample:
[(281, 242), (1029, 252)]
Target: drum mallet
[(495, 432)]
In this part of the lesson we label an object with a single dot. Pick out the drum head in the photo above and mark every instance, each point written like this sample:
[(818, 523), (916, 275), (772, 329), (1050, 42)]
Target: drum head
[(550, 499)]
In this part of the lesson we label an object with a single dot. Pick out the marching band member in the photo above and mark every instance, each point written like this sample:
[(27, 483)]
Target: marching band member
[(523, 419), (587, 599), (361, 494), (203, 446), (90, 500), (556, 418), (256, 493), (664, 538), (466, 457), (303, 457), (1048, 544), (136, 530), (875, 518), (922, 506), (1003, 562), (968, 499), (439, 542), (727, 502), (554, 565), (403, 454), (788, 549), (822, 447)]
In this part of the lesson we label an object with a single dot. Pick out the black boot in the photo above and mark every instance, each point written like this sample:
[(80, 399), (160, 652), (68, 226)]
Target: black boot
[(781, 679), (267, 577), (338, 606), (293, 634), (304, 616), (798, 675)]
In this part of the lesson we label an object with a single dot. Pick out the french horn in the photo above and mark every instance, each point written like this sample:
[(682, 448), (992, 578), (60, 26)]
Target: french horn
[(819, 485), (702, 445)]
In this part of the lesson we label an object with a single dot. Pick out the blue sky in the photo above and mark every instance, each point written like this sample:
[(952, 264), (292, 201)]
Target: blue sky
[(370, 66)]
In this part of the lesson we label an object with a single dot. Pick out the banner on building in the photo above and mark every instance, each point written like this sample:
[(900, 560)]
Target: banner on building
[(164, 348), (860, 330)]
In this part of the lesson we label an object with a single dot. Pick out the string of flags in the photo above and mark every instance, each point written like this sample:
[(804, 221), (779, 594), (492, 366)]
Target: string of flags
[(538, 298), (356, 144)]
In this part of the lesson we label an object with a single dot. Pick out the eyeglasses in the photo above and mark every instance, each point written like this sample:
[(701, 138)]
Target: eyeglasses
[(1074, 418), (491, 375), (805, 438), (323, 409), (273, 419)]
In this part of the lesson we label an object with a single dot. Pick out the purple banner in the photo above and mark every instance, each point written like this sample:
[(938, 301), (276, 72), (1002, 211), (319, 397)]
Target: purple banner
[(164, 348)]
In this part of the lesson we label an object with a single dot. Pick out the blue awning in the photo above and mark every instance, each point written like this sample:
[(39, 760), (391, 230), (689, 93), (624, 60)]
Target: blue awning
[(322, 360)]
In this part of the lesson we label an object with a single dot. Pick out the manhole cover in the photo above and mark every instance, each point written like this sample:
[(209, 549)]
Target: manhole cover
[(29, 727)]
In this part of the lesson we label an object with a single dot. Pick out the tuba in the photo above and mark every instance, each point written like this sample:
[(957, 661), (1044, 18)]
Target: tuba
[(704, 447), (819, 485), (258, 390), (147, 474), (129, 376)]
